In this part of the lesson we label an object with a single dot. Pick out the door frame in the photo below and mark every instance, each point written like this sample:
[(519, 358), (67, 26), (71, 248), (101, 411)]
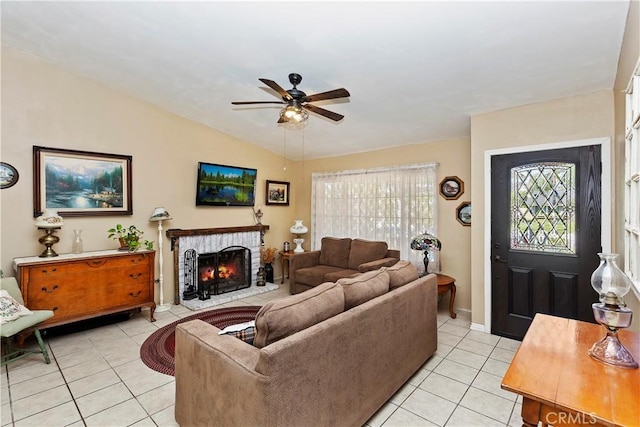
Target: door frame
[(605, 215)]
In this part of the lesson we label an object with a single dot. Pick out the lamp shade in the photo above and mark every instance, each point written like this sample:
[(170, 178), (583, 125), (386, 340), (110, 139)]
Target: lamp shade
[(425, 242), (298, 227), (160, 214), (49, 219)]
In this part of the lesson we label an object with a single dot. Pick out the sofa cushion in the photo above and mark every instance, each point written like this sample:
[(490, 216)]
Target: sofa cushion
[(401, 273), (313, 276), (363, 251), (285, 316), (244, 331), (335, 252), (365, 286)]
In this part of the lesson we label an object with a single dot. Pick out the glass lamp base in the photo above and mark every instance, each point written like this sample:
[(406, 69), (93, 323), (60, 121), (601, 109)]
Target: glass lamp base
[(610, 350), (299, 241)]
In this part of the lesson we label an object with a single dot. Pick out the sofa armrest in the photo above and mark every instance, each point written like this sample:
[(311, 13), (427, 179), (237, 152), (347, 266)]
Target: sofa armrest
[(379, 263), (301, 260), (393, 253), (213, 373)]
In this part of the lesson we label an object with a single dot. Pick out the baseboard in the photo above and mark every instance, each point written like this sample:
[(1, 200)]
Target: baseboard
[(477, 327)]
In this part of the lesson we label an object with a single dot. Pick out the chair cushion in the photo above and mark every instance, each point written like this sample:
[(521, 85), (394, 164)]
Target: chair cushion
[(23, 322), (363, 251), (335, 252), (401, 273), (365, 286), (285, 316), (10, 309)]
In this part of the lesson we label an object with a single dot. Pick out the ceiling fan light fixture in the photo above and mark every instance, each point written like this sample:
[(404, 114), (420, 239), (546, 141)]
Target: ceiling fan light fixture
[(294, 113)]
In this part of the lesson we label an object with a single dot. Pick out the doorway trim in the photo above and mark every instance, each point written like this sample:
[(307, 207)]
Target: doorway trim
[(605, 218)]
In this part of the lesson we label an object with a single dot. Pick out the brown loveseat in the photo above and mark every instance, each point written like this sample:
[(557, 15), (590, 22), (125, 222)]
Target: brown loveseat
[(336, 259), (331, 356)]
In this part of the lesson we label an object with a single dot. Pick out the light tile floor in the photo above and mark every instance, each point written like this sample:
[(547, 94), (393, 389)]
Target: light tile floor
[(96, 378)]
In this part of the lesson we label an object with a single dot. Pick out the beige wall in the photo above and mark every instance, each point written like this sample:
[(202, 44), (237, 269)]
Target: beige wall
[(454, 158), (43, 105)]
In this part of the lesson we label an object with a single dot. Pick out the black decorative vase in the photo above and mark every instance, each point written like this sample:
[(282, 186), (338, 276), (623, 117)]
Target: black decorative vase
[(268, 273)]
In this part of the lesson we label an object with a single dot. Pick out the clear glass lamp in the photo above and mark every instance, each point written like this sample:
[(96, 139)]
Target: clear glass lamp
[(611, 312)]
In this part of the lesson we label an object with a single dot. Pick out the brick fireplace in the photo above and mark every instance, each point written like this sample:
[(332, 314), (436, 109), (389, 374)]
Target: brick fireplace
[(194, 243)]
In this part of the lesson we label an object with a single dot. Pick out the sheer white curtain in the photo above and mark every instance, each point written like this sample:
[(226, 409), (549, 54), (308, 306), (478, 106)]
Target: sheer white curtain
[(392, 204)]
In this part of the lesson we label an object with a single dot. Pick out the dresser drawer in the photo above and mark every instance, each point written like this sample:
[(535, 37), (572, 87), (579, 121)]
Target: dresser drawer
[(46, 272)]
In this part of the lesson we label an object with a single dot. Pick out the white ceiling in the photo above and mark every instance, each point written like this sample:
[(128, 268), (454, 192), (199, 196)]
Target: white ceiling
[(416, 71)]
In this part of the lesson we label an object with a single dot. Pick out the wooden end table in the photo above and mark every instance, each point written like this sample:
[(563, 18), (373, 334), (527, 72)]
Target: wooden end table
[(285, 256), (445, 284), (562, 385)]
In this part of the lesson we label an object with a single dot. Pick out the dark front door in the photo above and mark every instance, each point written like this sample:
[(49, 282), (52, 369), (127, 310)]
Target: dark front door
[(545, 236)]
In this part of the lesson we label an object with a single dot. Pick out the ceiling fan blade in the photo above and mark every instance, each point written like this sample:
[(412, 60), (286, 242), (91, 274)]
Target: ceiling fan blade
[(332, 94), (257, 102), (275, 86), (328, 114)]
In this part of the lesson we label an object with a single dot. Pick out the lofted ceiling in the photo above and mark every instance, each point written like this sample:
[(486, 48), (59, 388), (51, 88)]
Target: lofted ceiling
[(416, 71)]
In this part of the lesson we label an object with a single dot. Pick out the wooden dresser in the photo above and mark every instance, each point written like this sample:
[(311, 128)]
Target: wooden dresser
[(91, 284)]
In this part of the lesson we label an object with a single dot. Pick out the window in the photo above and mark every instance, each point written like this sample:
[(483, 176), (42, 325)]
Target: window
[(390, 204), (543, 207), (632, 182)]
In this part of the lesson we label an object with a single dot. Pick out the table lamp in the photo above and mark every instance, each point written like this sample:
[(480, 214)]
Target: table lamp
[(49, 222), (426, 242), (611, 312), (298, 229), (158, 215)]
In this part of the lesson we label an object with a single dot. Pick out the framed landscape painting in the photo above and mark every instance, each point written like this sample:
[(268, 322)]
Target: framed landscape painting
[(277, 193), (81, 183)]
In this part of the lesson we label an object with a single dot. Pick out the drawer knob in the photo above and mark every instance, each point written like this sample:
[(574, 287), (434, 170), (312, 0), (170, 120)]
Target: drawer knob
[(54, 308), (44, 289), (136, 295), (45, 271), (135, 276)]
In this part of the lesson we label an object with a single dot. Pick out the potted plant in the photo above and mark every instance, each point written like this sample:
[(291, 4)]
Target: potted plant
[(130, 238)]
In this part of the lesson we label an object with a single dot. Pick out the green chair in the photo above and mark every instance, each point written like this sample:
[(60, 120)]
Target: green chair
[(9, 330)]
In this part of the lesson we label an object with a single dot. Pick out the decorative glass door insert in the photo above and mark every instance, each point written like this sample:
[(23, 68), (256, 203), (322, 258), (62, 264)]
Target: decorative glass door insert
[(543, 207)]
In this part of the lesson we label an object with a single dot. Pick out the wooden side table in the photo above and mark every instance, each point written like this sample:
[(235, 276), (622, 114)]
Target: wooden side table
[(285, 256), (445, 284), (562, 385)]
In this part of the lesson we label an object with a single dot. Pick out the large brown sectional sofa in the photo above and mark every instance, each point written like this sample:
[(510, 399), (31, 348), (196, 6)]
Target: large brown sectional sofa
[(337, 259), (330, 356)]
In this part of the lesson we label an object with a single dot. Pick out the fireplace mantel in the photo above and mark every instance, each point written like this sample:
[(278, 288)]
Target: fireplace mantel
[(175, 234)]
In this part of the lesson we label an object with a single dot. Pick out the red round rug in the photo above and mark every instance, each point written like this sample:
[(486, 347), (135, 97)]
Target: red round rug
[(157, 352)]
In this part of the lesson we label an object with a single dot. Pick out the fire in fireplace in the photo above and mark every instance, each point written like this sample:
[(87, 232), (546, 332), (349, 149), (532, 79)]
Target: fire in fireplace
[(218, 272)]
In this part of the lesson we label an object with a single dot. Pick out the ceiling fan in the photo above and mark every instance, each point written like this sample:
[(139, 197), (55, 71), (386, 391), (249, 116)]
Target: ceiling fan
[(296, 101)]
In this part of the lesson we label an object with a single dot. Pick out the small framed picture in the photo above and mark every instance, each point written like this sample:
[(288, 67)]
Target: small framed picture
[(8, 175), (277, 193), (463, 213), (451, 187)]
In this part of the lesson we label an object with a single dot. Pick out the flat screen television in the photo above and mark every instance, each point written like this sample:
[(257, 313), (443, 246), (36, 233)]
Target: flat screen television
[(220, 185)]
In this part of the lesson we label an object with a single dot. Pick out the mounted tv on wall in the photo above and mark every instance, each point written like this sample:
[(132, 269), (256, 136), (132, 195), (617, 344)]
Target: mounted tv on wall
[(220, 185)]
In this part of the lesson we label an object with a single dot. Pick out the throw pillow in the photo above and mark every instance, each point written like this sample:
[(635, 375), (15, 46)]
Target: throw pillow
[(401, 273), (285, 316), (335, 252), (362, 288), (363, 251), (245, 331), (10, 309)]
